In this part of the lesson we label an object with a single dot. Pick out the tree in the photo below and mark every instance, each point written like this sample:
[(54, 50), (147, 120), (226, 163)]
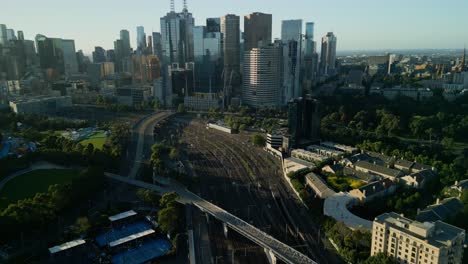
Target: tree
[(181, 108), (82, 226), (168, 219), (378, 259), (168, 199), (148, 196), (242, 127), (258, 140), (174, 154)]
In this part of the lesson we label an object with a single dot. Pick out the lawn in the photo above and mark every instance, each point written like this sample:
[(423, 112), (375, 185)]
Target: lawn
[(27, 185), (98, 143), (342, 184)]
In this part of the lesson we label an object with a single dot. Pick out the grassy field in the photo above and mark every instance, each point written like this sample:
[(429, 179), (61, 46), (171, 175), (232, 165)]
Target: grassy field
[(98, 143), (343, 183), (27, 185)]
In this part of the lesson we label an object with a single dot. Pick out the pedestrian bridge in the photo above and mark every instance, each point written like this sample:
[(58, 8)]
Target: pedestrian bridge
[(273, 247)]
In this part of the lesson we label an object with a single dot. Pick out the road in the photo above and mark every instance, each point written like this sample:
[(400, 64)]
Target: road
[(142, 137)]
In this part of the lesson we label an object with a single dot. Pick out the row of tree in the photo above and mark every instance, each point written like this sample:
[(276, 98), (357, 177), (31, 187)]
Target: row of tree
[(38, 213)]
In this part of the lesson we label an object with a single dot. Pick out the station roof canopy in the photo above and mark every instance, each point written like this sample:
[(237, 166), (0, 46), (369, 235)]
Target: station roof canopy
[(66, 246), (131, 238), (122, 215)]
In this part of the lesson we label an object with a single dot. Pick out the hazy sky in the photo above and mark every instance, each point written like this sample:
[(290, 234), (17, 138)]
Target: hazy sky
[(358, 24)]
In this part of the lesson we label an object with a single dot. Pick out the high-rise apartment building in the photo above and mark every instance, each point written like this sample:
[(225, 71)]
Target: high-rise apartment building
[(230, 28), (257, 30), (141, 39), (328, 54), (262, 76), (291, 37), (412, 242), (11, 34), (20, 35)]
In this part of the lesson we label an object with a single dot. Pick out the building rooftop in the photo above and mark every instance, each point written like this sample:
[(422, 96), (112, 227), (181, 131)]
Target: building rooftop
[(437, 234), (314, 180), (404, 163), (339, 146), (380, 157), (378, 169), (376, 187), (131, 238), (122, 215), (463, 184), (66, 246), (441, 210), (347, 171)]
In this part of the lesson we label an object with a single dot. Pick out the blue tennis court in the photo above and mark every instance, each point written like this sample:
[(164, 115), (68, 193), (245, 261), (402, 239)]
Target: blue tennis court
[(116, 234), (144, 253)]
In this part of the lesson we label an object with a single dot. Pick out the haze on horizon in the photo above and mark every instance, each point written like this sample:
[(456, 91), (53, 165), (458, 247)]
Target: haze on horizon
[(367, 25)]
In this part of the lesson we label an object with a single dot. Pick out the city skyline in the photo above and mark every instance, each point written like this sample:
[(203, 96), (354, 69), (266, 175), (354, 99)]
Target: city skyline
[(349, 21)]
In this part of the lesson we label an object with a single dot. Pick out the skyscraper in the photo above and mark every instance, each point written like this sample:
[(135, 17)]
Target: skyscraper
[(141, 39), (208, 60), (310, 63), (20, 35), (291, 30), (328, 54), (11, 34), (257, 30), (69, 57), (304, 120), (213, 25), (230, 28), (177, 37), (157, 45), (291, 37), (125, 38), (3, 34), (262, 76), (99, 55)]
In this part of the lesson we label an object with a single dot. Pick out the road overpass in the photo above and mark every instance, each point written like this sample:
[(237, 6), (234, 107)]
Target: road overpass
[(274, 248)]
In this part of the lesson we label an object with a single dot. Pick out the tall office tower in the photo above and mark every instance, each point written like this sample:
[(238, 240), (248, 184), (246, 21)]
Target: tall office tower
[(262, 76), (257, 30), (141, 39), (310, 62), (11, 34), (208, 60), (177, 37), (157, 45), (110, 56), (3, 34), (291, 30), (230, 28), (69, 57), (413, 242), (291, 37), (304, 120), (328, 54), (57, 55), (125, 40), (99, 55), (149, 46), (20, 35), (309, 47), (213, 24)]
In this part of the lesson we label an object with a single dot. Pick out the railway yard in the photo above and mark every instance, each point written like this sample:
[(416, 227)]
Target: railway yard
[(248, 182)]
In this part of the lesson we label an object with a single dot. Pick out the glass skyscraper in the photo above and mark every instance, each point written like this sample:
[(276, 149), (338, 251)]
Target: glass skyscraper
[(141, 38)]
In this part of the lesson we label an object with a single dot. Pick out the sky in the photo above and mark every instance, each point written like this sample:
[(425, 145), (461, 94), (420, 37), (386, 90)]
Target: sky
[(358, 24)]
